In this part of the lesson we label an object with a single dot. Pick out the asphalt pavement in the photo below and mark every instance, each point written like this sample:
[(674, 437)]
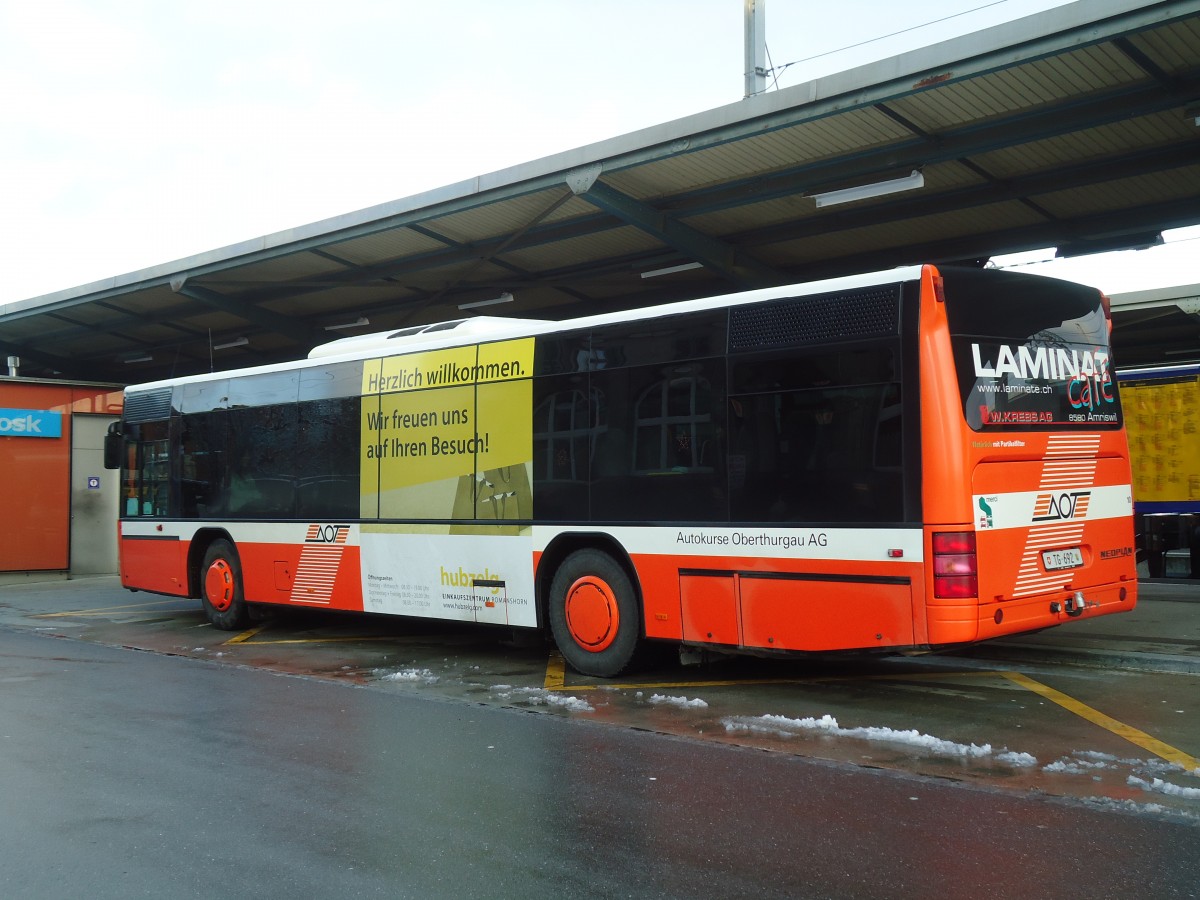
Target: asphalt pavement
[(1120, 687), (1161, 634), (141, 775)]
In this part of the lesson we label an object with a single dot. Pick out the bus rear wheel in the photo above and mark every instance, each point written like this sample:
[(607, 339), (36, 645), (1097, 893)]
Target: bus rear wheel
[(221, 588), (594, 614)]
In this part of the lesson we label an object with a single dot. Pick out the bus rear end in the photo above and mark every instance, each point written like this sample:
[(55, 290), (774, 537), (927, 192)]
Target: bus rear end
[(1027, 488)]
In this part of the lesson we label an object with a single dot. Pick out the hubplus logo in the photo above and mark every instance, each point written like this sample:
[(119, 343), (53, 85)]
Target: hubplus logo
[(1059, 507)]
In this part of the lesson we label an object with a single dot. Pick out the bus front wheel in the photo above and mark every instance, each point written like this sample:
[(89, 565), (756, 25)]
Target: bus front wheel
[(221, 588), (594, 614)]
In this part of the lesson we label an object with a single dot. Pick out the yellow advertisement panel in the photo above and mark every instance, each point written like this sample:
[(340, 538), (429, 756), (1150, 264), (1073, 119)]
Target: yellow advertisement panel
[(504, 465), (447, 434), (1163, 424), (425, 436), (371, 448)]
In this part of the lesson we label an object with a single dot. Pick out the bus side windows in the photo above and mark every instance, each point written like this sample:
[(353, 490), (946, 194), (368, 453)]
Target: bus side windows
[(261, 478), (203, 460), (888, 433), (815, 437), (658, 455), (146, 471), (326, 468), (239, 463), (566, 423)]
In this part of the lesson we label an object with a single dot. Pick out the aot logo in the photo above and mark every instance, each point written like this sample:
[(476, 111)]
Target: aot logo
[(327, 534), (1056, 507), (38, 423)]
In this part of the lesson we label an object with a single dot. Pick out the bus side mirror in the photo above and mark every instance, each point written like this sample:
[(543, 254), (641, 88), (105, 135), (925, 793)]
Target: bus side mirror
[(114, 447)]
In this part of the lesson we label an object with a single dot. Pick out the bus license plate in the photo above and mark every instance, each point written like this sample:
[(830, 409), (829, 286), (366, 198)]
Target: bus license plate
[(1062, 559)]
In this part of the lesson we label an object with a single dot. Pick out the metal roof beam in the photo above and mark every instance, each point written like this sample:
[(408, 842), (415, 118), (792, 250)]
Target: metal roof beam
[(1149, 162), (462, 281), (922, 149), (453, 253), (1170, 214), (734, 265), (927, 149), (264, 318), (1091, 172), (71, 368)]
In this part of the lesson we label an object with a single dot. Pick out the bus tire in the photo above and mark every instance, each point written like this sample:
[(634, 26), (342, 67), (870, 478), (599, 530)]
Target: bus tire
[(221, 588), (594, 614)]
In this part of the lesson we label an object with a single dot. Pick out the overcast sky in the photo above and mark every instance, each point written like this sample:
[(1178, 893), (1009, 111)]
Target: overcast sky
[(136, 132)]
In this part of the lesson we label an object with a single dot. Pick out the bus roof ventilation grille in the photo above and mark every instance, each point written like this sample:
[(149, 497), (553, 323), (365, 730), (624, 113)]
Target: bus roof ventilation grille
[(426, 329), (148, 406), (871, 312)]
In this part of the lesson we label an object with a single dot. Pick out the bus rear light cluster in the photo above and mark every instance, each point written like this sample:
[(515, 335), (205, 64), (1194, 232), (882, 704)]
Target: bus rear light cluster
[(955, 565)]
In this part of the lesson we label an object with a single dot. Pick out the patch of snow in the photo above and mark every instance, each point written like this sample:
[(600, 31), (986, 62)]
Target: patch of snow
[(1158, 786), (785, 727), (1068, 766), (1016, 760), (681, 702), (542, 697), (1088, 762), (1097, 756), (411, 676)]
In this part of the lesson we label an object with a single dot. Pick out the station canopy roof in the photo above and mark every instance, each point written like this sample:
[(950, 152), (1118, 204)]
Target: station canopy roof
[(1076, 128)]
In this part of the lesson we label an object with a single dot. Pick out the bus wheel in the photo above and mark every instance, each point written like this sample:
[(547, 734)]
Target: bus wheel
[(221, 588), (594, 614)]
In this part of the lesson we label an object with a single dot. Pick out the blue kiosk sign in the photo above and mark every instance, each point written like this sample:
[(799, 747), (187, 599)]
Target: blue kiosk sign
[(37, 423)]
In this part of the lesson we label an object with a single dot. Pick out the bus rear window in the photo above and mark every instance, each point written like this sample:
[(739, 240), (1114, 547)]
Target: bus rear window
[(1030, 352)]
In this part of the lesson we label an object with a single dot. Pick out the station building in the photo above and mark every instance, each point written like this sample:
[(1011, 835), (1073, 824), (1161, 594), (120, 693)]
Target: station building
[(58, 502)]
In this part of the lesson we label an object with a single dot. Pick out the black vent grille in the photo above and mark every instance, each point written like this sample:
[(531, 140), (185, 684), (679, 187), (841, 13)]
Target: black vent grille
[(872, 312), (148, 406)]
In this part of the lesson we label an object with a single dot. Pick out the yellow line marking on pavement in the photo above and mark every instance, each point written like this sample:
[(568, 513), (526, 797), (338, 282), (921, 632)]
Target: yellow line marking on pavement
[(556, 673), (1128, 732), (328, 640), (243, 636), (99, 611), (556, 678)]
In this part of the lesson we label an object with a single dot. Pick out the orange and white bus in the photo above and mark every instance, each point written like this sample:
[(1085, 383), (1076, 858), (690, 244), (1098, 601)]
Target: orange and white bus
[(908, 460)]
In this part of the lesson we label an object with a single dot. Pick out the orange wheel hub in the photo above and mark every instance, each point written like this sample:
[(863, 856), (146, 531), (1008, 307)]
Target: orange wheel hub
[(592, 613), (218, 585)]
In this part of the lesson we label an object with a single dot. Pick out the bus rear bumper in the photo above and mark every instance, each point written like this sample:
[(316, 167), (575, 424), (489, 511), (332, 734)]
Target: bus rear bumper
[(1060, 607), (969, 621)]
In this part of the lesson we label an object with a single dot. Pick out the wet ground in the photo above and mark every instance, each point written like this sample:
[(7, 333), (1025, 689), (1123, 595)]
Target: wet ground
[(1103, 710)]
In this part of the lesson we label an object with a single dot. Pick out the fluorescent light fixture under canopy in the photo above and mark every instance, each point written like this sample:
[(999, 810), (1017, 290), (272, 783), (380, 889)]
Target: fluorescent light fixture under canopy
[(866, 191), (670, 270), (357, 323), (506, 297)]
